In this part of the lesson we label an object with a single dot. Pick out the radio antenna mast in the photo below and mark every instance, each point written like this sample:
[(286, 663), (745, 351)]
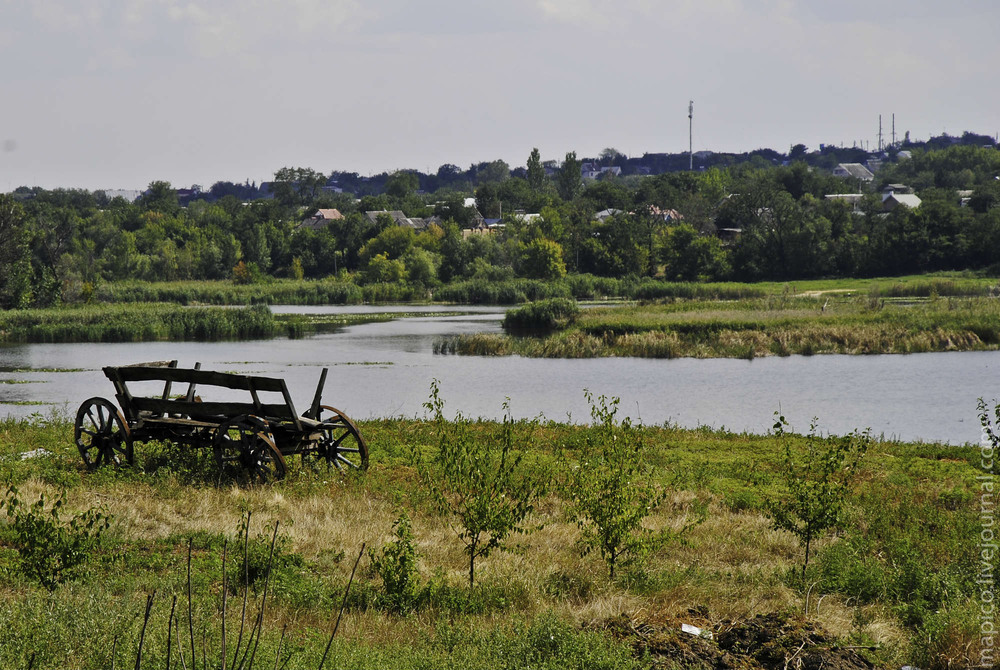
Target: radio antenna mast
[(691, 134)]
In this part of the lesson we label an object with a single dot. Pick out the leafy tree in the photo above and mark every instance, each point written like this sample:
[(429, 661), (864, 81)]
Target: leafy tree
[(570, 179), (985, 197), (625, 239), (15, 266), (296, 185), (610, 156), (480, 483), (818, 480), (488, 200), (161, 197), (797, 152), (380, 269), (536, 173), (607, 195), (688, 256), (452, 207), (393, 242), (448, 175), (454, 253), (421, 266), (495, 171), (402, 183), (543, 260)]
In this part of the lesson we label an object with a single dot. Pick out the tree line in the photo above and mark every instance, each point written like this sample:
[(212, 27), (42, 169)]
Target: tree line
[(751, 221)]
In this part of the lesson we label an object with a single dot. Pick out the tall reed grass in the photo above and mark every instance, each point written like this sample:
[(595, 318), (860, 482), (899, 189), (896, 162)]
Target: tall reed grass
[(136, 323)]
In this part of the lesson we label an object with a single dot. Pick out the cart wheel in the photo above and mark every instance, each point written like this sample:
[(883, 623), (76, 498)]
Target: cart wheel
[(341, 444), (244, 449), (101, 434)]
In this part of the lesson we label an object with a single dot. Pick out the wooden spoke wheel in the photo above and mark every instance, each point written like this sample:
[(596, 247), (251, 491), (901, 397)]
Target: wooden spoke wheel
[(101, 434), (341, 443), (244, 450)]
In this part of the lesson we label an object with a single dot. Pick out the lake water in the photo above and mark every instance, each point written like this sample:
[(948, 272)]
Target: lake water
[(385, 369)]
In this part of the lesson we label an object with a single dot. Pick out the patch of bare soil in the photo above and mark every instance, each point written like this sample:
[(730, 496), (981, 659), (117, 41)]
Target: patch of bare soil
[(776, 641)]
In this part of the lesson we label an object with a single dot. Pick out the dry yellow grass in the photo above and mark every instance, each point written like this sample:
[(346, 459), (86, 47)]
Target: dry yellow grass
[(735, 555)]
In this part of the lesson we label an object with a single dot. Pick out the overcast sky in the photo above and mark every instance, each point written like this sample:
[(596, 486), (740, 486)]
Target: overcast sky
[(115, 94)]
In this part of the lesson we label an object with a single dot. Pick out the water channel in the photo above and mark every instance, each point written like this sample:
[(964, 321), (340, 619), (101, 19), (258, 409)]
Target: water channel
[(385, 369)]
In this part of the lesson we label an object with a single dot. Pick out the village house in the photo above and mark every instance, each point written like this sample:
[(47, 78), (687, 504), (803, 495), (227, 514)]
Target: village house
[(321, 219), (854, 170)]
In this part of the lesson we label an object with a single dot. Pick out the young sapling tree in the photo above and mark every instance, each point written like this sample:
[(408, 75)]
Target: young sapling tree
[(818, 479), (608, 493), (481, 484)]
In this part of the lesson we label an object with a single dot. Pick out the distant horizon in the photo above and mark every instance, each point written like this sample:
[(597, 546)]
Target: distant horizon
[(433, 169)]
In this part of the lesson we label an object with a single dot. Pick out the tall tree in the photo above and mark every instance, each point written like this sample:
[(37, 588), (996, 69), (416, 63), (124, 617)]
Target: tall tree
[(402, 183), (297, 186), (15, 268), (536, 173), (496, 171), (161, 197), (570, 177)]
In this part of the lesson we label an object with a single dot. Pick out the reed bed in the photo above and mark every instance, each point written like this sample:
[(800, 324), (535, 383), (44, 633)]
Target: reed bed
[(766, 327), (136, 323), (344, 291), (272, 292)]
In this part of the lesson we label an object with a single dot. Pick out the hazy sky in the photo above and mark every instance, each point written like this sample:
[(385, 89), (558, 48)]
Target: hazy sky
[(115, 94)]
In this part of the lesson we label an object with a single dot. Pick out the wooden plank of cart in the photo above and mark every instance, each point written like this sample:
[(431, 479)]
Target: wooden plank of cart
[(251, 429)]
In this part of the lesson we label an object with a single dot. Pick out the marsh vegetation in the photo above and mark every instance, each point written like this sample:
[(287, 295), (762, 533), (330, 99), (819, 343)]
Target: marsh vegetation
[(882, 320)]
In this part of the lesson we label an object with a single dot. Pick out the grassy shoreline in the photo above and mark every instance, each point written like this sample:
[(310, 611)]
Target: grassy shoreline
[(776, 326), (675, 319), (545, 602), (343, 291)]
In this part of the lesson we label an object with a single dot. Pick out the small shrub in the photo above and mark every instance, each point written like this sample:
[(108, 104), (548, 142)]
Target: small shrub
[(50, 549), (396, 566)]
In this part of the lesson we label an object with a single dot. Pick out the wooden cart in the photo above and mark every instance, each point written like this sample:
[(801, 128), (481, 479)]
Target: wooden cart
[(251, 430)]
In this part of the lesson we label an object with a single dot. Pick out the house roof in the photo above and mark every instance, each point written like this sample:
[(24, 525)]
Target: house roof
[(667, 214), (905, 199), (398, 217), (856, 170), (606, 213), (849, 197), (329, 214)]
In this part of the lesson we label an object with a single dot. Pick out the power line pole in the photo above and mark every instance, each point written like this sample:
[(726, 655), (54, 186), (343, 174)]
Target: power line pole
[(691, 134)]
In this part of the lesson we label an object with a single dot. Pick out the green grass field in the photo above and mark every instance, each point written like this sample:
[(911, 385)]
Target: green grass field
[(897, 578)]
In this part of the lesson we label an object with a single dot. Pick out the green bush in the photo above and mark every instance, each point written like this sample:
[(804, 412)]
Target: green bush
[(396, 566), (543, 315), (51, 549)]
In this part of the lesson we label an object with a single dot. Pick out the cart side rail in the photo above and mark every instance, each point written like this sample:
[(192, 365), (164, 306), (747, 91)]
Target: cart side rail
[(164, 406)]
